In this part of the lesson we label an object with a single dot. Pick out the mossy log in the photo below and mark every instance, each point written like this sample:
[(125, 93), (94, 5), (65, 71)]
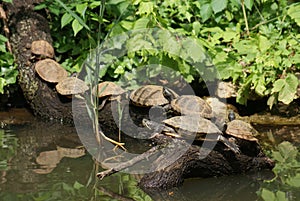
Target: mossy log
[(26, 26)]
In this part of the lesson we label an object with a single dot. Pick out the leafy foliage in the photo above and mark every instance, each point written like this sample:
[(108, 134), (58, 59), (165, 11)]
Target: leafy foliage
[(287, 181), (8, 72), (261, 58)]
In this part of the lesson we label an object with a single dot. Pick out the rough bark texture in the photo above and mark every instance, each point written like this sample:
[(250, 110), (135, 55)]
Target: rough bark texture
[(217, 162), (26, 26)]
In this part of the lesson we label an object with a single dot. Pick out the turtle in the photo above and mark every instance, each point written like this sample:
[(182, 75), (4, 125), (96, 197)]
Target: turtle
[(109, 91), (50, 71), (191, 105), (150, 95), (241, 130), (190, 128), (243, 134), (42, 48), (71, 85)]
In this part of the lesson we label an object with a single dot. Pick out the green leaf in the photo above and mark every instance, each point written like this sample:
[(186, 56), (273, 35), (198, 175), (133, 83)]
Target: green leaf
[(267, 195), (294, 181), (249, 4), (194, 49), (146, 8), (294, 13), (7, 1), (2, 84), (81, 8), (66, 19), (264, 43), (280, 195), (287, 88), (196, 27), (141, 23), (205, 12), (76, 26), (287, 150), (218, 5), (260, 86), (80, 21), (77, 185)]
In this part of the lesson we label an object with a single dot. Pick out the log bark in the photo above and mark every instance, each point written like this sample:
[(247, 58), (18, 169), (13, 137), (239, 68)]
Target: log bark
[(26, 26)]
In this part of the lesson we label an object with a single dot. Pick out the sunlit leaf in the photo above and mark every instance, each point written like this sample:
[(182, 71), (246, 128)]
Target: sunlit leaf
[(146, 8), (205, 12), (218, 5), (287, 88), (249, 4), (80, 21), (294, 13), (66, 19), (2, 84), (76, 26), (264, 43)]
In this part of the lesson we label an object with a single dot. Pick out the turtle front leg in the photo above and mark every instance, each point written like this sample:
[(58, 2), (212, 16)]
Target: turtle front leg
[(231, 145)]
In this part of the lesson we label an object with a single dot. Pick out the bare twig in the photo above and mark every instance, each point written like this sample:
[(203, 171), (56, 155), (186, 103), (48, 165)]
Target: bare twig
[(124, 165)]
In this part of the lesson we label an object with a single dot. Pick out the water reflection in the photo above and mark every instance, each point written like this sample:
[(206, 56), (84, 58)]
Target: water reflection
[(46, 161)]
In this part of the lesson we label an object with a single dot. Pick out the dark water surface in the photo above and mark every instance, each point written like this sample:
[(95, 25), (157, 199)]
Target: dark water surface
[(46, 161)]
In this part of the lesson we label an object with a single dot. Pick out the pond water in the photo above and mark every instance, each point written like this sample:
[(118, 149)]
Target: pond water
[(46, 161)]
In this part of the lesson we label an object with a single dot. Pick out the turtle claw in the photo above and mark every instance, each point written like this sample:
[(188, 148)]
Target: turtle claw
[(230, 144)]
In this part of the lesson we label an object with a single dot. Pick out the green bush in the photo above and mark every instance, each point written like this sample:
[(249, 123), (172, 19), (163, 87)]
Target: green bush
[(254, 43)]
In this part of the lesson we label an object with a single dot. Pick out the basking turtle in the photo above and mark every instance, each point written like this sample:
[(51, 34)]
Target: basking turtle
[(50, 71), (191, 105), (189, 127), (241, 130), (71, 85), (42, 48), (109, 91), (150, 95)]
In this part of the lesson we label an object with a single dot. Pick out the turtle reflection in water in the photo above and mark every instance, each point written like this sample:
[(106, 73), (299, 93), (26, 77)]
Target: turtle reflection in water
[(190, 128)]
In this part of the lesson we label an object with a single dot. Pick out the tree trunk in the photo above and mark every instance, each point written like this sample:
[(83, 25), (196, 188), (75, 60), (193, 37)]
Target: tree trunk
[(26, 26)]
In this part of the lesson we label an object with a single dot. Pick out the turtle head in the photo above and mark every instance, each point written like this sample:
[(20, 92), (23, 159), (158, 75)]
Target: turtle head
[(168, 94), (231, 115)]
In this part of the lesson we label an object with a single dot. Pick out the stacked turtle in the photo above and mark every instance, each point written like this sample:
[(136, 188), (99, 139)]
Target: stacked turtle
[(51, 71), (191, 119)]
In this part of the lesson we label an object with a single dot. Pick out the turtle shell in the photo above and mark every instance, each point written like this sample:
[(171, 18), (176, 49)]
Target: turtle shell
[(71, 85), (50, 71), (109, 89), (43, 48), (240, 129), (189, 126), (149, 95), (192, 105)]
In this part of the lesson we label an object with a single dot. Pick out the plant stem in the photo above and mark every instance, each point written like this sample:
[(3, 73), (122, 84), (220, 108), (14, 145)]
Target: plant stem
[(245, 17)]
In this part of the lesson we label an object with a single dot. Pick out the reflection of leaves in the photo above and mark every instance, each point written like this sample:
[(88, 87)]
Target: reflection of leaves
[(287, 173), (294, 181)]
